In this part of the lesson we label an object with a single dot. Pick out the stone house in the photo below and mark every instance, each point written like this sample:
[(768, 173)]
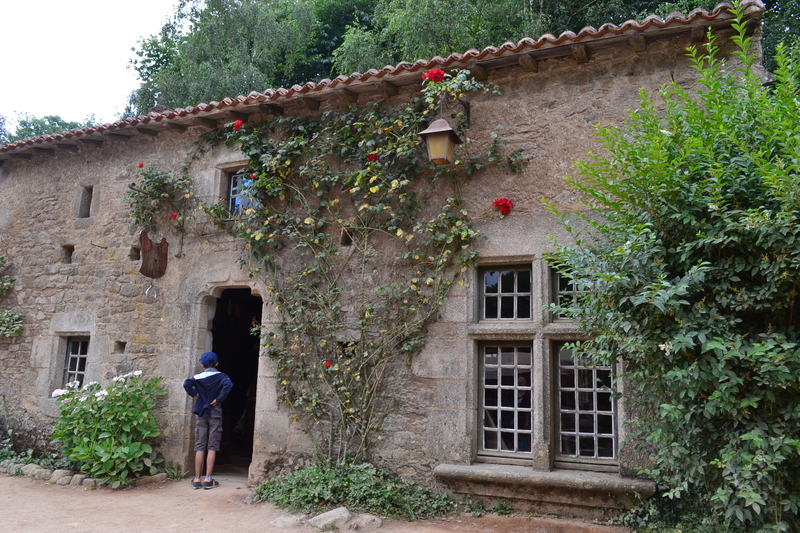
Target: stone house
[(89, 313)]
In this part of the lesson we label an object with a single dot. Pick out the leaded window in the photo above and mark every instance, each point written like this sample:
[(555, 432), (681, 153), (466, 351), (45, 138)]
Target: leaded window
[(506, 293), (506, 399), (586, 411), (75, 365)]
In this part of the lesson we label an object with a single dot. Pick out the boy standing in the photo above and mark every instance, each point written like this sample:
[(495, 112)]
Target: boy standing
[(209, 389)]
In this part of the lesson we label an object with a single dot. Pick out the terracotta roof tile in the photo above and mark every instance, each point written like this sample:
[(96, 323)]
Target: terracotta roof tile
[(651, 25)]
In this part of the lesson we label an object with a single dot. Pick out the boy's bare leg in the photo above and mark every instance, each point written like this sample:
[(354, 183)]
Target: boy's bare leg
[(198, 463), (212, 457)]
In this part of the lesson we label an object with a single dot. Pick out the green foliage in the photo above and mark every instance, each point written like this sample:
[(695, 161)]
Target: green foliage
[(358, 239), (29, 126), (10, 323), (107, 432), (691, 263), (361, 487), (501, 508), (220, 48), (174, 471), (159, 198), (780, 26)]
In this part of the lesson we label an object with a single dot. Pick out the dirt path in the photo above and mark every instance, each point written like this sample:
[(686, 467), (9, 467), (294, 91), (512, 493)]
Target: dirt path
[(27, 505)]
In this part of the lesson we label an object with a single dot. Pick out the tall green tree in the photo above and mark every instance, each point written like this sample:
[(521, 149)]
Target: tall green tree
[(29, 126), (690, 263)]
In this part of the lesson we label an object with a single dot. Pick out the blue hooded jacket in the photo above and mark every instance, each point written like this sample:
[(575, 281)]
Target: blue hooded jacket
[(207, 386)]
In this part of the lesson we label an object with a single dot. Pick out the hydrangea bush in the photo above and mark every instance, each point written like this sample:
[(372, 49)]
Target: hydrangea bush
[(107, 432)]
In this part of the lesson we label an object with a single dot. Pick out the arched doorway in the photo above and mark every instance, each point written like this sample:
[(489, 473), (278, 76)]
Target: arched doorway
[(236, 312)]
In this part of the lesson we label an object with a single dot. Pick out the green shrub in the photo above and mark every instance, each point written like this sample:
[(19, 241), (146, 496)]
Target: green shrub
[(690, 263), (105, 432), (360, 487)]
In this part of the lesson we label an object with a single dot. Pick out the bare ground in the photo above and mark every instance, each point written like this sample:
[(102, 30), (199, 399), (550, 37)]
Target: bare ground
[(27, 505)]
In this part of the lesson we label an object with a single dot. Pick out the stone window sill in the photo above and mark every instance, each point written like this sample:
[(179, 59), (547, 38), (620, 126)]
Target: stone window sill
[(579, 493)]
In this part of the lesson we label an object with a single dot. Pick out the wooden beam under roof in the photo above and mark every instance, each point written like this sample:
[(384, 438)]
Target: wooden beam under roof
[(67, 147), (91, 142), (147, 131)]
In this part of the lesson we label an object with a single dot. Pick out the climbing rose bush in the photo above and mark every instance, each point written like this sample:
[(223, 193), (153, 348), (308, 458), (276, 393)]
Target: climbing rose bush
[(107, 433)]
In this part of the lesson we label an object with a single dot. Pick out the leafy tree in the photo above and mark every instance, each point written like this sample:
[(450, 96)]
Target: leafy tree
[(30, 126), (780, 26), (3, 132), (691, 267), (413, 29)]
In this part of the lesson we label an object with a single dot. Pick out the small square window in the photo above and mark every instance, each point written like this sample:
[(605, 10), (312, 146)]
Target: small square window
[(66, 253), (506, 293), (566, 291), (238, 197), (75, 365)]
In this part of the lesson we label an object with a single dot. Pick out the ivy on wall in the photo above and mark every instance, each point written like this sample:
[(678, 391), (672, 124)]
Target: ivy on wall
[(359, 239)]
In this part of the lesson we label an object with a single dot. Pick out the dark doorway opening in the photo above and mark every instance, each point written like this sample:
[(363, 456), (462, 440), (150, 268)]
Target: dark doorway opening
[(236, 312)]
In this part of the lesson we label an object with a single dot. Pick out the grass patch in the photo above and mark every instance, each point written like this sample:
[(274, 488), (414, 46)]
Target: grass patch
[(361, 487)]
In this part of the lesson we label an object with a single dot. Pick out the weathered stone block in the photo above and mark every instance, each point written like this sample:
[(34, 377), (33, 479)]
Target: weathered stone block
[(336, 517), (58, 474)]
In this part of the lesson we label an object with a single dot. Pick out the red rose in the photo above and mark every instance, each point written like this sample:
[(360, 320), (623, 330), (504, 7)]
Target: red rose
[(253, 176), (141, 165), (174, 216), (372, 158), (327, 364), (504, 205), (238, 125), (434, 74)]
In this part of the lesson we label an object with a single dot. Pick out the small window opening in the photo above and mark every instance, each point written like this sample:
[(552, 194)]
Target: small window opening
[(86, 202), (75, 366), (239, 184), (66, 253), (346, 238), (135, 254), (119, 346)]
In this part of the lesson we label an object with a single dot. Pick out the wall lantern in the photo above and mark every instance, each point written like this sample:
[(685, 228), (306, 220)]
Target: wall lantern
[(441, 141)]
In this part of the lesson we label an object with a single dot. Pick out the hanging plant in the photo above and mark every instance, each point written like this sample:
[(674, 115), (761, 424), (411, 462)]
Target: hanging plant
[(159, 198)]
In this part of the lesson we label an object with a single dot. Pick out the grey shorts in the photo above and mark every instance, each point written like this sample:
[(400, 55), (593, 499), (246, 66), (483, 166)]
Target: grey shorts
[(208, 434)]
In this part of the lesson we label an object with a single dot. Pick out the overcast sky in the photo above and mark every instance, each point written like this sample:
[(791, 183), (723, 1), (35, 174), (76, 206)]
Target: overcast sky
[(70, 57)]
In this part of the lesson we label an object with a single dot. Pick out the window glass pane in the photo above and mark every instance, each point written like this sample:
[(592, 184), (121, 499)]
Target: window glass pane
[(507, 279), (489, 440), (567, 378), (605, 424), (507, 396), (490, 307), (604, 401), (507, 420), (565, 357), (586, 423), (604, 378), (81, 364), (524, 357), (567, 400), (523, 281), (568, 445), (568, 423), (507, 357), (490, 398), (490, 356), (524, 307), (507, 307), (605, 447), (490, 282), (587, 446), (586, 378), (586, 401)]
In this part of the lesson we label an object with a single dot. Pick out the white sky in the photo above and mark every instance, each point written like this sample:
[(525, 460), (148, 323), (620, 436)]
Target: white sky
[(70, 57)]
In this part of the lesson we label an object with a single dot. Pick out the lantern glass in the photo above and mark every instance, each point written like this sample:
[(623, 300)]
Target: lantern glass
[(441, 141), (440, 148)]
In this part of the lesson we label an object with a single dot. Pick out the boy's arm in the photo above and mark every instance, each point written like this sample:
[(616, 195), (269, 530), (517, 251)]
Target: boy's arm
[(227, 385), (188, 386)]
